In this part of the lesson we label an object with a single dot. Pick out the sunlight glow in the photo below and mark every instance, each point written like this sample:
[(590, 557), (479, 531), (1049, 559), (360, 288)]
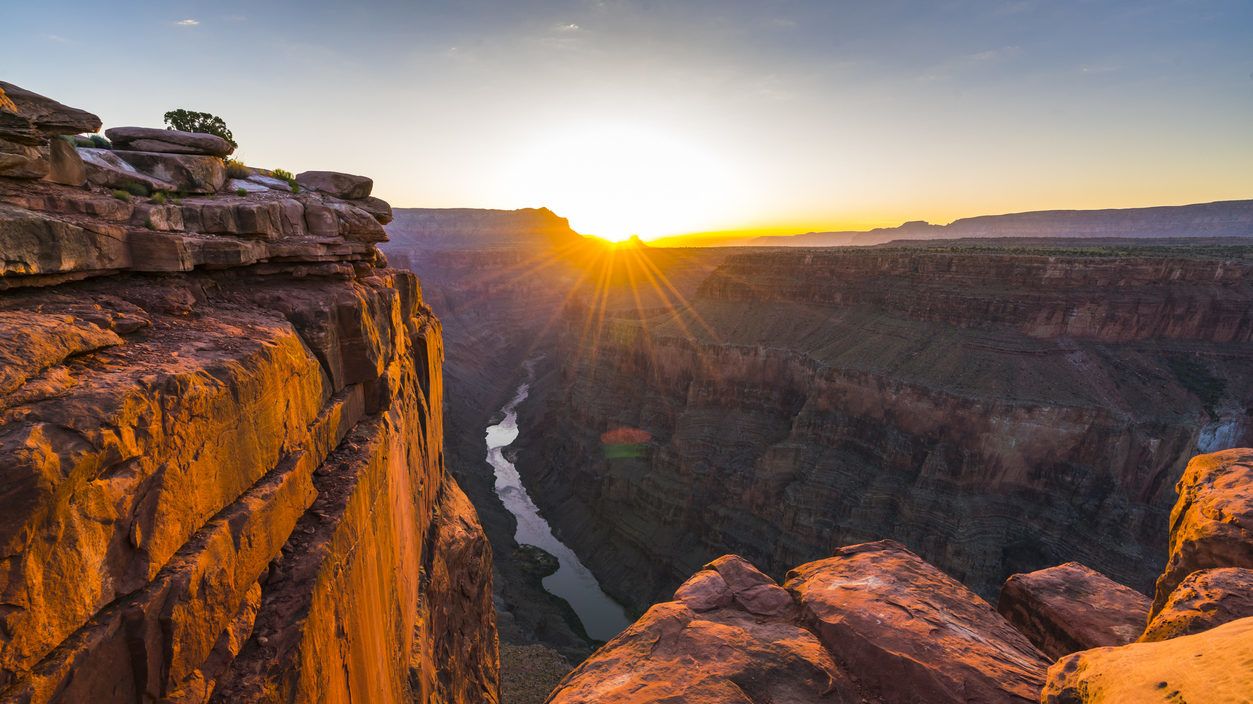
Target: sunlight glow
[(618, 180)]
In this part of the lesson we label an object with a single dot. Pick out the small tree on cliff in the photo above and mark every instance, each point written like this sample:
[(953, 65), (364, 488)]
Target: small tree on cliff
[(191, 121)]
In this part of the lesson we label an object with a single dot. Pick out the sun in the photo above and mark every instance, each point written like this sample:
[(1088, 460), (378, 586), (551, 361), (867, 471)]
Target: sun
[(616, 180)]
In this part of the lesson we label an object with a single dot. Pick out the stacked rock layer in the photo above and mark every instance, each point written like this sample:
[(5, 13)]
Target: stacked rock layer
[(221, 440)]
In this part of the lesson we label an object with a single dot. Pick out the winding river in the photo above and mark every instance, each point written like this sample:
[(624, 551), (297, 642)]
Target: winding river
[(602, 617)]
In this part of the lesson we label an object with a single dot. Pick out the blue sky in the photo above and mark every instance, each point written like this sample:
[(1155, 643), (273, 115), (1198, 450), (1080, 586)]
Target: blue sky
[(665, 117)]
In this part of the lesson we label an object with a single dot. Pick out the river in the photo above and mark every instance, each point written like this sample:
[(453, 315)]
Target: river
[(602, 617)]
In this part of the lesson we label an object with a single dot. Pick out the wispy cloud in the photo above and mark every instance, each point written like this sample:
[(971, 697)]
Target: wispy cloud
[(571, 27), (189, 22), (58, 39)]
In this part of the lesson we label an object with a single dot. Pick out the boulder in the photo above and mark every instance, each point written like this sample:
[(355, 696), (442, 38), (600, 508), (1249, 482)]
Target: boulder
[(1205, 599), (1198, 669), (65, 166), (190, 173), (718, 652), (1211, 524), (1070, 607), (269, 182), (23, 161), (379, 208), (151, 139), (357, 224), (107, 169), (910, 633), (337, 184), (41, 118), (235, 185), (320, 220)]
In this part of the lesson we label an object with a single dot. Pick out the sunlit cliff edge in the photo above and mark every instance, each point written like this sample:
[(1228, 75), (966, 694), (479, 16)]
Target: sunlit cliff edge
[(221, 449)]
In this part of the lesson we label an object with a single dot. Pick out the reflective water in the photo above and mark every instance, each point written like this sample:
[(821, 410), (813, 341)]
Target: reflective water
[(602, 617)]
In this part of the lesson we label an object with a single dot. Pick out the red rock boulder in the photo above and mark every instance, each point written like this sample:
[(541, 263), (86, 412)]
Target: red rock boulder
[(1071, 607), (1211, 524), (910, 633), (1205, 599), (712, 645)]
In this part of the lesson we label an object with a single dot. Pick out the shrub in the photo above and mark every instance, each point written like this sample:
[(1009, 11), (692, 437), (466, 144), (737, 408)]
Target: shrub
[(237, 169), (136, 188), (100, 141), (203, 122), (158, 198), (121, 195), (287, 176), (148, 224), (241, 191)]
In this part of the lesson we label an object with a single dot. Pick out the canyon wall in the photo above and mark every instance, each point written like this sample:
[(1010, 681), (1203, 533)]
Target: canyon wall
[(995, 412), (221, 439)]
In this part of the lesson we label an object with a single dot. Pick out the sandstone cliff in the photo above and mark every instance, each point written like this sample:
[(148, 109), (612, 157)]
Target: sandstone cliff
[(221, 440), (995, 411)]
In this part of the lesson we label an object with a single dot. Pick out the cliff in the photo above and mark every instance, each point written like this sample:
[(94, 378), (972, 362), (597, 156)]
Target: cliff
[(873, 623), (994, 411), (1220, 219), (221, 440)]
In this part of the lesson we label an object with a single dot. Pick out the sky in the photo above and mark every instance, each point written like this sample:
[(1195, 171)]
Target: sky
[(662, 118)]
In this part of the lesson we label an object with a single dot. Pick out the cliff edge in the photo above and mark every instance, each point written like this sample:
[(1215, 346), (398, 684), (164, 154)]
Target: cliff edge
[(221, 435)]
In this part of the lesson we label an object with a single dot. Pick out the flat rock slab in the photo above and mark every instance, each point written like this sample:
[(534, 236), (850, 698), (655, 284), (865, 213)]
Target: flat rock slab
[(1206, 668), (1211, 524), (274, 184), (910, 633), (38, 118), (340, 185), (1070, 607), (151, 139), (190, 173), (1204, 600), (105, 168)]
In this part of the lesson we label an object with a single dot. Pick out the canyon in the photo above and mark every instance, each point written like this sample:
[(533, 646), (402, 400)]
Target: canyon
[(996, 411), (265, 439)]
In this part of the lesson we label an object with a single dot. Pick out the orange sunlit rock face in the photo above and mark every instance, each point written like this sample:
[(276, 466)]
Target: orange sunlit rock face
[(1212, 522), (221, 449)]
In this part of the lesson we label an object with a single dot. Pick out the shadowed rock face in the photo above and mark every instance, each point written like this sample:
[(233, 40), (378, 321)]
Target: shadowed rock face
[(996, 411), (221, 461), (872, 623), (1070, 607)]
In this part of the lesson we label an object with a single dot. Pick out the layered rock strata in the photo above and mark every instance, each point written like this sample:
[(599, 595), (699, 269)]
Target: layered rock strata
[(221, 449), (996, 411)]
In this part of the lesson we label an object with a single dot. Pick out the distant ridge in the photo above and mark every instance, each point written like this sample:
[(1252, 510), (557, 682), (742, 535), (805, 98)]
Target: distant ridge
[(1233, 218)]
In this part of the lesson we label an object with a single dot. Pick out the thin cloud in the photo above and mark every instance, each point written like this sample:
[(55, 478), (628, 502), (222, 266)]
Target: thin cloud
[(58, 39), (189, 22)]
